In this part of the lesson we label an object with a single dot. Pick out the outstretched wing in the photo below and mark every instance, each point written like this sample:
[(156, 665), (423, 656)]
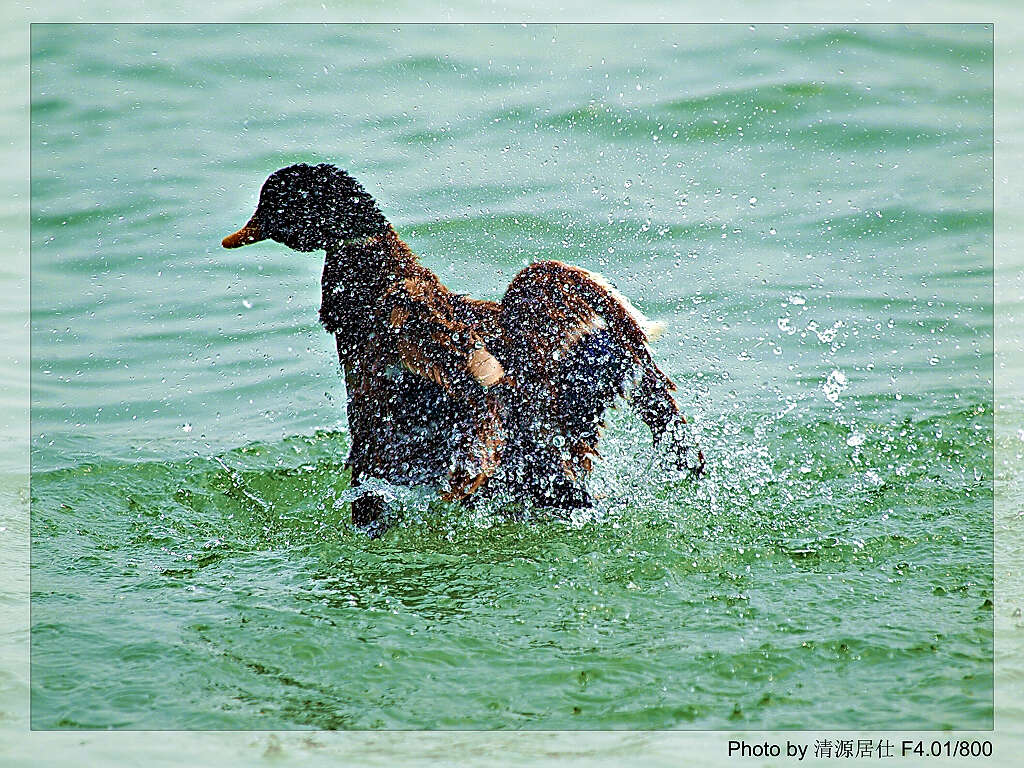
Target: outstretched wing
[(433, 341), (551, 307), (573, 344)]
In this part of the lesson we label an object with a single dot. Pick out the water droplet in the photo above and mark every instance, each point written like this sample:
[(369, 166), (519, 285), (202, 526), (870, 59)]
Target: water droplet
[(834, 385)]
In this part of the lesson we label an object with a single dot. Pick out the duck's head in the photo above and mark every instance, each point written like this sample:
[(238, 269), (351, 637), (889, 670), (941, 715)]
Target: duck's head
[(308, 207)]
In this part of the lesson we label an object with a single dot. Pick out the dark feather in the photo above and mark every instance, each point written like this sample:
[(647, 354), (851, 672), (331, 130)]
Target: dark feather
[(474, 397)]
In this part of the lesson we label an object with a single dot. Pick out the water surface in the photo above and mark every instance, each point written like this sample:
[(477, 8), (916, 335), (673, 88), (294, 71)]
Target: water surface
[(809, 208)]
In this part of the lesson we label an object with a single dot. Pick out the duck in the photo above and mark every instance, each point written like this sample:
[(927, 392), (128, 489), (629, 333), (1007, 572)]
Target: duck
[(474, 399)]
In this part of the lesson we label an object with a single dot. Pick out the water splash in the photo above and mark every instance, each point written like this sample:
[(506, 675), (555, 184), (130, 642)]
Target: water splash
[(835, 384)]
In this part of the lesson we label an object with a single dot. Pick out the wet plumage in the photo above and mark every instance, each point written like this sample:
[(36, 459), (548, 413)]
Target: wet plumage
[(475, 398)]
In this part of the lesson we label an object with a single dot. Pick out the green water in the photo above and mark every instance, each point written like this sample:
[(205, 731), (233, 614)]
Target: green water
[(809, 208)]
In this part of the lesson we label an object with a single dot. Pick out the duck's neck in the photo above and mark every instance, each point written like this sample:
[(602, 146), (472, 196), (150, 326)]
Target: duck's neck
[(371, 260), (356, 275)]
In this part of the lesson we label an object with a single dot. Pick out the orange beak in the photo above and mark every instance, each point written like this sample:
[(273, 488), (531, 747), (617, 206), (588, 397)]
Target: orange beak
[(250, 233)]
